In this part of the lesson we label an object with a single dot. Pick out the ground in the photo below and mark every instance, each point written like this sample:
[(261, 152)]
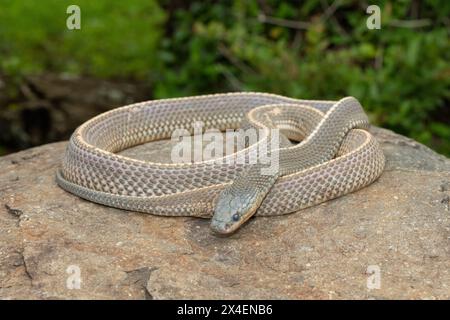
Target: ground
[(390, 240)]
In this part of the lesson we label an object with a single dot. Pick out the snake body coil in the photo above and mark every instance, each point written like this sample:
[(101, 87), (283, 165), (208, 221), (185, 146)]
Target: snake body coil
[(336, 155)]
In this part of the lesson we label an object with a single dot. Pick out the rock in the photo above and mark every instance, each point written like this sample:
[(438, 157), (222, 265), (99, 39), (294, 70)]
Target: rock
[(390, 240)]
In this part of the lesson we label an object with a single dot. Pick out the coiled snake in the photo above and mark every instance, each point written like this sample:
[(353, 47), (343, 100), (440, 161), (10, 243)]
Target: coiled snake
[(335, 155)]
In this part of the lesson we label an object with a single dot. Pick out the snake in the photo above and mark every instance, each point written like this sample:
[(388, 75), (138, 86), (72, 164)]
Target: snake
[(320, 150)]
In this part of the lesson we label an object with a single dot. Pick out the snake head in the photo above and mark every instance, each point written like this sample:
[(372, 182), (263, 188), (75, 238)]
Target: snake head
[(233, 210)]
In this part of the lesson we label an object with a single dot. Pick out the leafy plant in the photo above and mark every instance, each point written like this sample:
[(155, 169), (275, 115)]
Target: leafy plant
[(116, 39), (307, 49)]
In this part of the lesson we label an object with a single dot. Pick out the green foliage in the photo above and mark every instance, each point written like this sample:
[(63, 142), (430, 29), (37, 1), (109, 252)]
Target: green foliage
[(117, 38), (400, 73)]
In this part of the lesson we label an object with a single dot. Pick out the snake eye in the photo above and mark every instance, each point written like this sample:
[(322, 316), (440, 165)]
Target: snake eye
[(235, 217)]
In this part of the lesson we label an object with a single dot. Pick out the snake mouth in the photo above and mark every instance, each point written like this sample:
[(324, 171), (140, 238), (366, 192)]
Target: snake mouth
[(222, 227)]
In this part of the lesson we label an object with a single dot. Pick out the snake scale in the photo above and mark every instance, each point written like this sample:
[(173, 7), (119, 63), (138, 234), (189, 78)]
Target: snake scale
[(325, 151)]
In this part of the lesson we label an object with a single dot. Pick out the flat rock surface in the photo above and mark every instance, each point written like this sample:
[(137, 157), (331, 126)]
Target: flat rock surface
[(389, 240)]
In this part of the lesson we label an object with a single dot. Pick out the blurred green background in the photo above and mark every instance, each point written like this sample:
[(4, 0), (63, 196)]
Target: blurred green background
[(52, 78)]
